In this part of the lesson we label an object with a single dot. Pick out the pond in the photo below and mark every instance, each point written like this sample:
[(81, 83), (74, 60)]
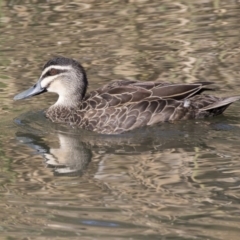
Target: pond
[(173, 181)]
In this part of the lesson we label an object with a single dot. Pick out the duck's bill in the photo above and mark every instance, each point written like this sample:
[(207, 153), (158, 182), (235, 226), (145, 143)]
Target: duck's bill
[(35, 90)]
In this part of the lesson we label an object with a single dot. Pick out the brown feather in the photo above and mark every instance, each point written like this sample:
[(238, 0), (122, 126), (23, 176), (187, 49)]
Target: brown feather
[(125, 105)]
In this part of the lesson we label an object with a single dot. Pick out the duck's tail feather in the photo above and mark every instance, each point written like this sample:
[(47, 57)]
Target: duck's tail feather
[(219, 106)]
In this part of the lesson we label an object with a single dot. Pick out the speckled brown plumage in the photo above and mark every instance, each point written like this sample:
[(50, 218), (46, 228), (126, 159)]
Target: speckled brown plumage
[(125, 105), (121, 105)]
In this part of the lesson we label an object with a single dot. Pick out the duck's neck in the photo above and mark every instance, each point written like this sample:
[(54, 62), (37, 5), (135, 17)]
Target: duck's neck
[(69, 102)]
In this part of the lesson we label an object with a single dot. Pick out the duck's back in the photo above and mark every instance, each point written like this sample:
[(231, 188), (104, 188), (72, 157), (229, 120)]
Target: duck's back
[(125, 105)]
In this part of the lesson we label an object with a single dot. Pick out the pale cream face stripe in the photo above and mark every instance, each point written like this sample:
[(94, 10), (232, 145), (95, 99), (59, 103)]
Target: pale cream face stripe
[(46, 81), (55, 67)]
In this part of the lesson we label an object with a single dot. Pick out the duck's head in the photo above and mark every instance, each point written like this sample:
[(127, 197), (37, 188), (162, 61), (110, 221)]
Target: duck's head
[(63, 76)]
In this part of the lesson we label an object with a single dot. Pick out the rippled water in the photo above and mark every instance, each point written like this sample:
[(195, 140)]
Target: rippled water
[(175, 181)]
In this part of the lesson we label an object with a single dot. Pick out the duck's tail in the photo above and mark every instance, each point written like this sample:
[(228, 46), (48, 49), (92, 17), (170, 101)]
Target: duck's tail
[(218, 107)]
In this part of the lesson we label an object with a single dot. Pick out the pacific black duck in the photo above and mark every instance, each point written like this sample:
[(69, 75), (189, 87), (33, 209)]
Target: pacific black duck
[(121, 105)]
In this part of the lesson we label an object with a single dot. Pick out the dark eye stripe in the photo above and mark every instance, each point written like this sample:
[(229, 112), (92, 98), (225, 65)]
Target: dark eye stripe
[(53, 72)]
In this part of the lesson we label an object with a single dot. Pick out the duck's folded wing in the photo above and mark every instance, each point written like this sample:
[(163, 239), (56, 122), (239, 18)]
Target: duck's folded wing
[(123, 92), (156, 89), (180, 91)]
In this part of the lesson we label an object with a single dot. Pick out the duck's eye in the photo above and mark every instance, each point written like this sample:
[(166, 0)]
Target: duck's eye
[(53, 72)]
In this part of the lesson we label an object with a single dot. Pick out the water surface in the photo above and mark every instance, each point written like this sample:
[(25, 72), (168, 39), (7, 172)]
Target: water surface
[(175, 181)]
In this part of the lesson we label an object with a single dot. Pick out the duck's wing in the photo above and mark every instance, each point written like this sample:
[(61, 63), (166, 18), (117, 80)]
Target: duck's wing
[(116, 93), (180, 91), (122, 92), (134, 84), (157, 89), (119, 119)]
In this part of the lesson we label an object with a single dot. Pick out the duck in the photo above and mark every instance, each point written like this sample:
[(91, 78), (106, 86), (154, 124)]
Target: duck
[(121, 105)]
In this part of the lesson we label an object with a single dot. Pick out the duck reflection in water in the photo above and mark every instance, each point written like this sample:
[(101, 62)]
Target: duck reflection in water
[(71, 157)]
